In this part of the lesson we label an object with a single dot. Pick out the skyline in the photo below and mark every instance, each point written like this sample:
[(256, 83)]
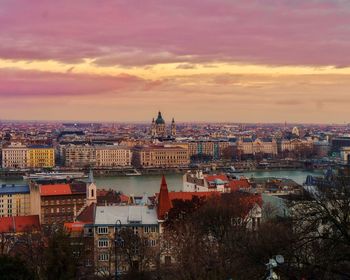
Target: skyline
[(198, 61)]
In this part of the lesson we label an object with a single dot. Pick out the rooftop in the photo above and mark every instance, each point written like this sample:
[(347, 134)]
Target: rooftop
[(19, 223), (128, 215), (13, 189)]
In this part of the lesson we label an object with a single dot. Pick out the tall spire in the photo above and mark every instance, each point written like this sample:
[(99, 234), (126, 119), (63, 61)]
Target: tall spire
[(164, 203), (91, 177)]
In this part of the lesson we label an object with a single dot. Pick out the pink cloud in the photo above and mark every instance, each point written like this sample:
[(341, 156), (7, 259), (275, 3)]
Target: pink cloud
[(132, 32), (23, 83)]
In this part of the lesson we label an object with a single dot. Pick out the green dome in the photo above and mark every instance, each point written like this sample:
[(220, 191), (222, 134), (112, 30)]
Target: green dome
[(159, 119)]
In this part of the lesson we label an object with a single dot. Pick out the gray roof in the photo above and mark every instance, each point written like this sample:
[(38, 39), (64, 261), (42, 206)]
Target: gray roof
[(127, 214)]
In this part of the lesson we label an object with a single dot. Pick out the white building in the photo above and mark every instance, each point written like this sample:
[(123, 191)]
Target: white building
[(15, 155), (198, 182), (142, 220)]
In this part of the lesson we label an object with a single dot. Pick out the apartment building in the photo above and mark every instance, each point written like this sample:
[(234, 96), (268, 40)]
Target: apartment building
[(14, 200), (60, 203), (113, 155), (41, 157), (15, 156), (79, 155), (212, 148), (141, 220), (160, 156), (249, 146)]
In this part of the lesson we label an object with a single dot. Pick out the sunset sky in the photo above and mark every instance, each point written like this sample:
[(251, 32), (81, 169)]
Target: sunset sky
[(197, 60)]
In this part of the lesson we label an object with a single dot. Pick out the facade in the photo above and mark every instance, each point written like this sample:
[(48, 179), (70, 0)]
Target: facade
[(295, 144), (60, 203), (211, 148), (15, 156), (142, 220), (113, 155), (79, 156), (14, 200), (249, 146), (160, 156), (41, 157)]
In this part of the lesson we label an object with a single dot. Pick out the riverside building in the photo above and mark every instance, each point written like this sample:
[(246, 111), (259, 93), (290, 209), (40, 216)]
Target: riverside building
[(160, 156), (15, 156), (41, 157), (113, 155)]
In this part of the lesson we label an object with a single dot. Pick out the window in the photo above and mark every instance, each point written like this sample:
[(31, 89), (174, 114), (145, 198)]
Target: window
[(152, 243), (147, 229), (102, 230), (154, 229), (167, 260), (103, 257), (135, 229), (103, 243)]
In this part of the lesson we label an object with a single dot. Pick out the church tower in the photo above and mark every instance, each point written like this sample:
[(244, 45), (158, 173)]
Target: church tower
[(164, 203), (153, 129), (160, 125), (173, 128), (91, 195)]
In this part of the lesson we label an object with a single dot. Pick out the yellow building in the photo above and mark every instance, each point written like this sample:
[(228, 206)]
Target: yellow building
[(14, 200), (41, 156)]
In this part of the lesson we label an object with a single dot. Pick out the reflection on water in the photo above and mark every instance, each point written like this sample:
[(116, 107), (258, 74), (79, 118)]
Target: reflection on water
[(150, 184)]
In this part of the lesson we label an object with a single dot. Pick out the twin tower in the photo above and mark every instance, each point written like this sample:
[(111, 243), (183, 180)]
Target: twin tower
[(158, 128)]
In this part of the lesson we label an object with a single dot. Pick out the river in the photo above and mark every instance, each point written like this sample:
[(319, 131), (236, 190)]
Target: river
[(150, 184)]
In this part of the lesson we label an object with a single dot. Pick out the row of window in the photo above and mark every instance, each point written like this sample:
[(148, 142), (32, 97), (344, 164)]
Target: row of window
[(104, 243), (146, 229)]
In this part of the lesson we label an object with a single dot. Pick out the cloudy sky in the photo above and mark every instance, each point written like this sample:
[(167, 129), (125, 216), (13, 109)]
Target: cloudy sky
[(198, 60)]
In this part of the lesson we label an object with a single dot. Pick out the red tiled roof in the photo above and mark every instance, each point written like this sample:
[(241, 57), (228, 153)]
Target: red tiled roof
[(6, 224), (164, 202), (74, 227), (57, 189), (19, 223), (87, 215), (222, 177), (124, 198), (239, 184), (189, 195)]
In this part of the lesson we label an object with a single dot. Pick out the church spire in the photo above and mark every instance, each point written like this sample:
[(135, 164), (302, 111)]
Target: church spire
[(91, 177), (164, 203)]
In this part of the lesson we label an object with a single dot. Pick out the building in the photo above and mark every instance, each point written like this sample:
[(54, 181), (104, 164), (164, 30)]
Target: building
[(338, 143), (207, 149), (291, 145), (79, 155), (15, 156), (19, 224), (159, 130), (60, 203), (141, 220), (160, 156), (264, 146), (113, 155), (199, 182), (41, 157), (12, 227), (14, 200)]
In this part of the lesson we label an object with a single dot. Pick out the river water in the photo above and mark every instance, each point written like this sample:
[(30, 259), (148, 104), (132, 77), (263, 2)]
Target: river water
[(150, 184)]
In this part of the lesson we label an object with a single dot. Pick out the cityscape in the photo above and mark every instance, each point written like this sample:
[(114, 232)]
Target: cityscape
[(174, 140)]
